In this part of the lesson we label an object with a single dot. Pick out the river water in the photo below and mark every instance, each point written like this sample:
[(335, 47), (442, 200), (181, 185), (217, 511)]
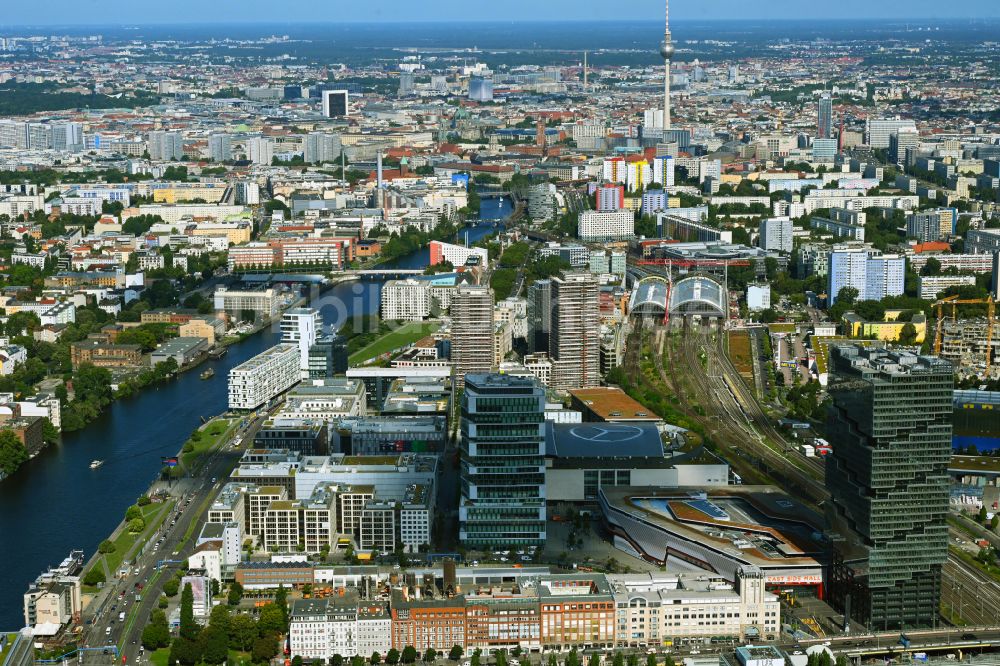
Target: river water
[(55, 503)]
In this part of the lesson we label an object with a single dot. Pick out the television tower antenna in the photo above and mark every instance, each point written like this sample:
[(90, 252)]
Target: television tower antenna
[(667, 52)]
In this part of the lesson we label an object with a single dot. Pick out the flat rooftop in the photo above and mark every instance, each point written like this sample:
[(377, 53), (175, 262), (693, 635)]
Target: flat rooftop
[(603, 440), (613, 404), (987, 464)]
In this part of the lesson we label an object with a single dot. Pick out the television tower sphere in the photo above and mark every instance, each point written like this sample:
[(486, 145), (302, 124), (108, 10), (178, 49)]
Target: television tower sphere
[(667, 49)]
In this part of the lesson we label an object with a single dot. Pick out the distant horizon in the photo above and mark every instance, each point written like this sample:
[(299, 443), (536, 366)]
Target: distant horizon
[(277, 27), (466, 21), (46, 13)]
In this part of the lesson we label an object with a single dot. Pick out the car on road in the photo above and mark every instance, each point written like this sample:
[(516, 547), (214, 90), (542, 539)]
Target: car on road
[(969, 637)]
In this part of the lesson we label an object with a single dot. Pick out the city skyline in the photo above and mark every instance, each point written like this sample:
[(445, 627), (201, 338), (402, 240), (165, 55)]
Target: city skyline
[(58, 11)]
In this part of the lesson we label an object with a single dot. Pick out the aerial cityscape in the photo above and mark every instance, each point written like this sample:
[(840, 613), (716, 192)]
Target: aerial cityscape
[(549, 334)]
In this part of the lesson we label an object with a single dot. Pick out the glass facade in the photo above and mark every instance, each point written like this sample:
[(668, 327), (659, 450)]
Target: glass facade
[(503, 464), (890, 426)]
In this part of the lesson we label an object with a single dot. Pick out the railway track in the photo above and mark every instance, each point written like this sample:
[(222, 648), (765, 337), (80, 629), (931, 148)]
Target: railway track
[(711, 393)]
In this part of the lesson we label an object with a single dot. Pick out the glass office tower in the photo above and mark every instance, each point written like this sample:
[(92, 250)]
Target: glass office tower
[(890, 427), (503, 463)]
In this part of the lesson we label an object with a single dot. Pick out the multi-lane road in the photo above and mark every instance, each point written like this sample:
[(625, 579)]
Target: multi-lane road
[(158, 558)]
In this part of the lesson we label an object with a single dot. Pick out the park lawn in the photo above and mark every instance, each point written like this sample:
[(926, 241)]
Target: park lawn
[(402, 336), (6, 646), (153, 514), (160, 657), (210, 436)]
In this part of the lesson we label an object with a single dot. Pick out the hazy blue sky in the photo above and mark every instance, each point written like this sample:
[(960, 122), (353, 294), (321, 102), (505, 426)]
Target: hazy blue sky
[(114, 12)]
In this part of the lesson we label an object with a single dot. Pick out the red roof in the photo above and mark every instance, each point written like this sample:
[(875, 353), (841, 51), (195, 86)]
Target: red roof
[(932, 246)]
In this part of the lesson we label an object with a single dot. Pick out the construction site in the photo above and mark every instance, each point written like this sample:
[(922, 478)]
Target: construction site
[(969, 342)]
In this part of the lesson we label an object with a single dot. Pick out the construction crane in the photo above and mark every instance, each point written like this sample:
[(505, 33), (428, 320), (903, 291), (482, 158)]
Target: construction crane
[(954, 302)]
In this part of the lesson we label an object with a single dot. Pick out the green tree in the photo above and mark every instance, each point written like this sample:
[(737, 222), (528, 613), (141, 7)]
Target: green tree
[(995, 522), (12, 452), (552, 661), (409, 654), (392, 657), (375, 659), (242, 632), (94, 576), (430, 655), (107, 546), (501, 658), (281, 601), (136, 525), (156, 634), (264, 649), (982, 514), (651, 660), (573, 659), (235, 594), (221, 618), (133, 512), (908, 334), (271, 620), (932, 267), (455, 653), (619, 659), (184, 651), (172, 587), (477, 656), (214, 644), (847, 295), (189, 628), (336, 660), (595, 660)]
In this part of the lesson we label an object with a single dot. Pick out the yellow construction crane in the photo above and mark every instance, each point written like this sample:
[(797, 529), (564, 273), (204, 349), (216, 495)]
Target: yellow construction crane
[(954, 302)]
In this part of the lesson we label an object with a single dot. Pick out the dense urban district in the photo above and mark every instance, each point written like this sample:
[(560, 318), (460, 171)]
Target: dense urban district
[(685, 353)]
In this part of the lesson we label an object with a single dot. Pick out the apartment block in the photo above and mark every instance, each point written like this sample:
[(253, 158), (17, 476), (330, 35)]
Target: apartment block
[(264, 377), (574, 344), (406, 300), (472, 330), (606, 226)]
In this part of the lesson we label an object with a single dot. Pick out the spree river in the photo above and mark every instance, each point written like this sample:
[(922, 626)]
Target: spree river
[(55, 503)]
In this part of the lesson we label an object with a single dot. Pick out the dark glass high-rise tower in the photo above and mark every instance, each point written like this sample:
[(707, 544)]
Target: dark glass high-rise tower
[(824, 118), (890, 427), (503, 463)]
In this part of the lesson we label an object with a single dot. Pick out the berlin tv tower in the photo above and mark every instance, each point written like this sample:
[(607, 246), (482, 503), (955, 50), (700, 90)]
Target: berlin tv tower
[(667, 51)]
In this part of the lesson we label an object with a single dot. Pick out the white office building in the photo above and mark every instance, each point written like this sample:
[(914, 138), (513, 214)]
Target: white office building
[(234, 302), (931, 285), (165, 146), (758, 297), (406, 300), (776, 234), (220, 147), (878, 130), (301, 327), (260, 150), (264, 377), (606, 225), (871, 273), (319, 147)]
